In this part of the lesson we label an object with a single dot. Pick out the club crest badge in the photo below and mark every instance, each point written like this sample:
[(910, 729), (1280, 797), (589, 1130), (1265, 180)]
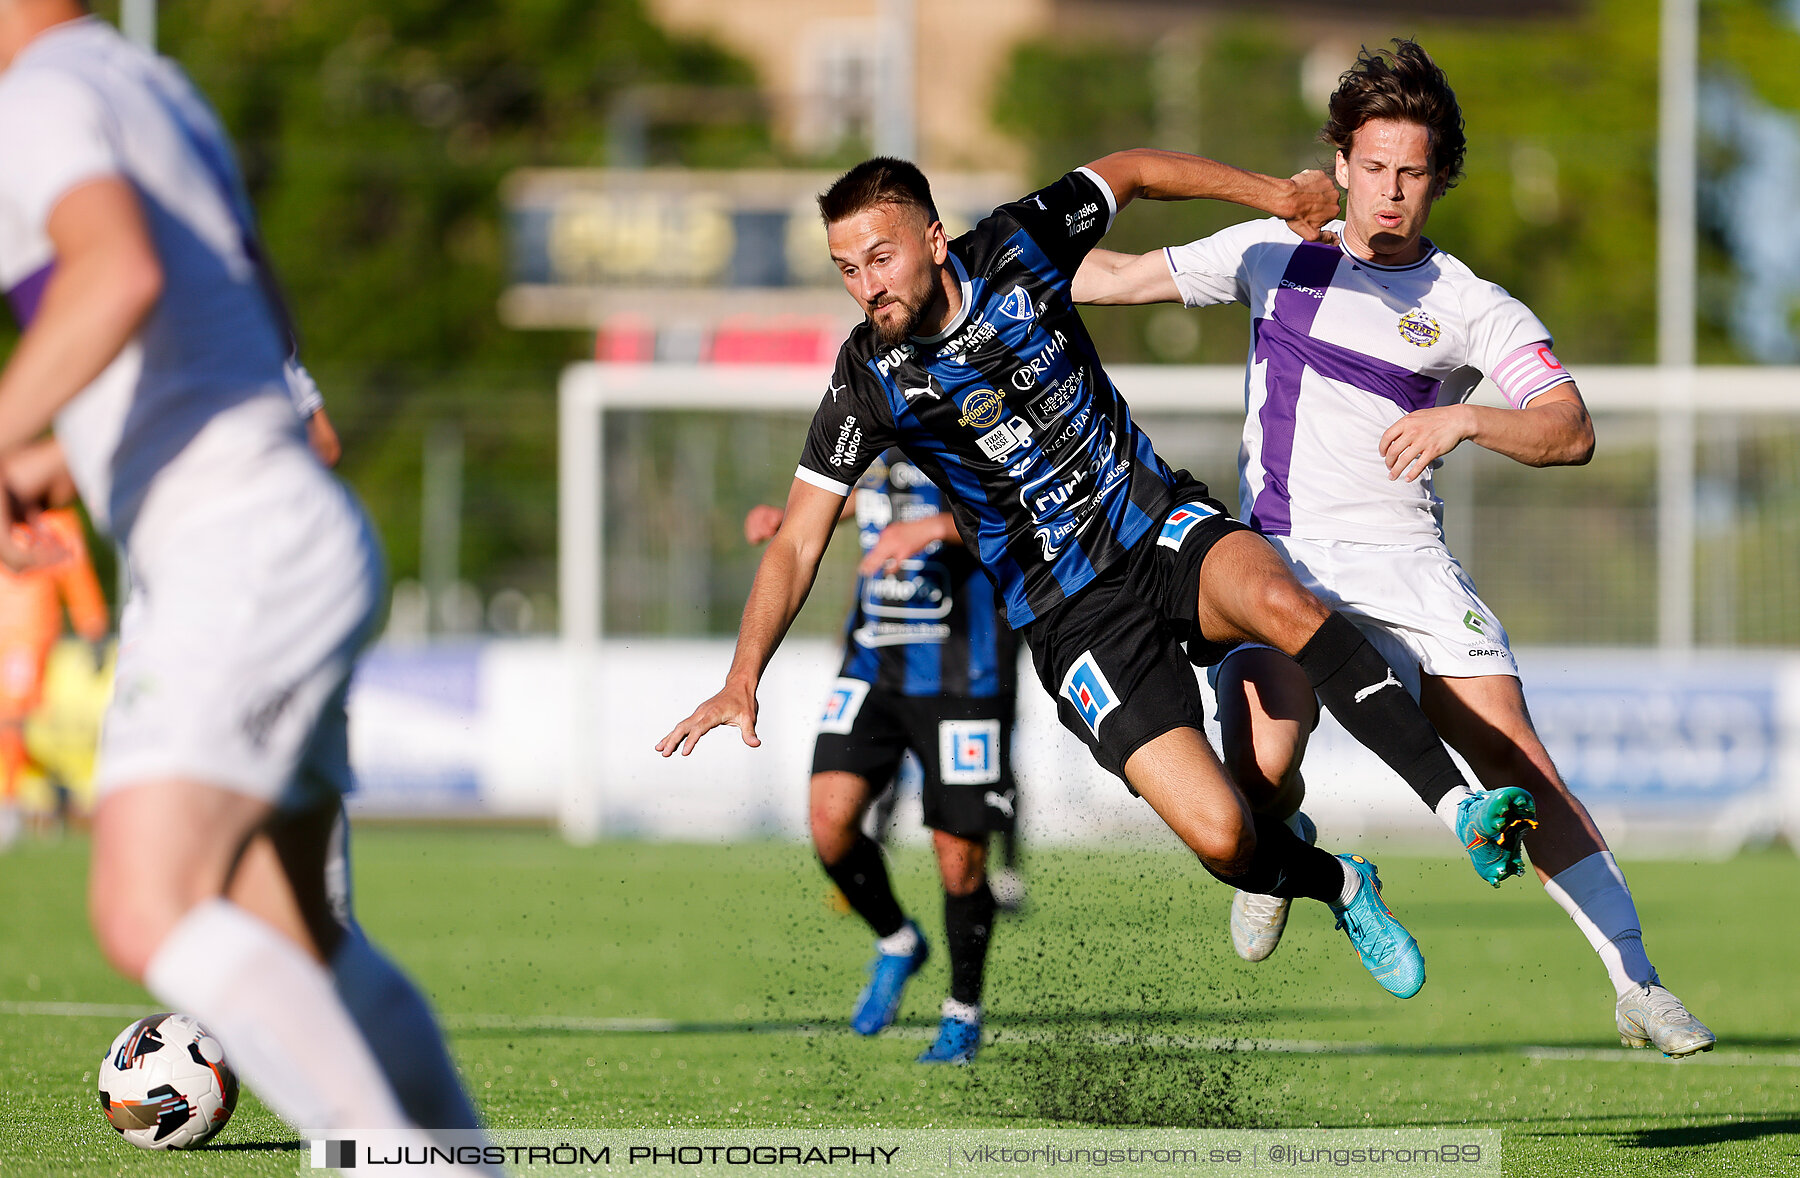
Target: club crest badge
[(1419, 329)]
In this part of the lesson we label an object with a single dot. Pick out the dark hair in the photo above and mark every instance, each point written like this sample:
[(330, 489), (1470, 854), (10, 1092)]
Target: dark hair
[(1402, 83), (880, 181)]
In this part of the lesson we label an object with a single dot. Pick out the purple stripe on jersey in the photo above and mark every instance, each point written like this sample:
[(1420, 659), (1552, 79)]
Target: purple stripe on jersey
[(1281, 379), (1283, 344), (1405, 388), (1304, 283), (29, 292), (1297, 299)]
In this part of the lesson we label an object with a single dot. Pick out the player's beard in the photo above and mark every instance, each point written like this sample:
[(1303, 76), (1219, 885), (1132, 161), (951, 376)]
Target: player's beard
[(899, 329)]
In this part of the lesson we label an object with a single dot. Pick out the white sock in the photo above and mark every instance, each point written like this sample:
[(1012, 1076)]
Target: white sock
[(282, 1025), (1594, 894), (1352, 883), (962, 1012), (1446, 807), (902, 944), (397, 1023)]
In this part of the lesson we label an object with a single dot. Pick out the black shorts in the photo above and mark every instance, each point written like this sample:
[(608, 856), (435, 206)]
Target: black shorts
[(963, 743), (1113, 654)]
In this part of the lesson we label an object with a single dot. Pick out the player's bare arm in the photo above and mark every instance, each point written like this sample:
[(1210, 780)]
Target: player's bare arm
[(1554, 429), (107, 279), (1306, 201), (899, 541), (322, 438), (783, 580), (764, 520), (1110, 279)]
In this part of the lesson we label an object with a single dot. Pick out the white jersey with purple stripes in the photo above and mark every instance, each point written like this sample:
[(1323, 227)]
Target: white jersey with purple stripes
[(198, 397), (1341, 349)]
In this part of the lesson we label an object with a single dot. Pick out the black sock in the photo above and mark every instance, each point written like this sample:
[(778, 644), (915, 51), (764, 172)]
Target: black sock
[(968, 922), (1284, 865), (1365, 695), (862, 876)]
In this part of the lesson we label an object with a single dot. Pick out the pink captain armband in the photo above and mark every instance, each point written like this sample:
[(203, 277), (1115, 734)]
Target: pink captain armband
[(1528, 371)]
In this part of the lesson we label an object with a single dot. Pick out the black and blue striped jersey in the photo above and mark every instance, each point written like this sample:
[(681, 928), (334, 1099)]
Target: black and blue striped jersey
[(932, 627), (1007, 410)]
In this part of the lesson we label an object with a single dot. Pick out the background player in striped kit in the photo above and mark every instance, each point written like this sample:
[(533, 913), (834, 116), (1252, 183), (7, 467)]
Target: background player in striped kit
[(1363, 354), (929, 665)]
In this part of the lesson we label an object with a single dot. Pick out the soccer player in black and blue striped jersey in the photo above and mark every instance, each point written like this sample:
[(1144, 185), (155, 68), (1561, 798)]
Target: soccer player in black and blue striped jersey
[(929, 666), (973, 361)]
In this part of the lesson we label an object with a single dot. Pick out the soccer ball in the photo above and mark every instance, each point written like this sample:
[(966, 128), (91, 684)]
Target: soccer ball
[(164, 1083)]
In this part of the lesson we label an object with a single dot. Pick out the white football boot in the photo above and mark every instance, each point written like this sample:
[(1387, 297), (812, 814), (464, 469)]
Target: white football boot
[(1258, 921), (1650, 1016)]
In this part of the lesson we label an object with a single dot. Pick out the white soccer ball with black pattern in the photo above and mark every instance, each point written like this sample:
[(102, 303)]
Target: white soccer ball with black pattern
[(164, 1083)]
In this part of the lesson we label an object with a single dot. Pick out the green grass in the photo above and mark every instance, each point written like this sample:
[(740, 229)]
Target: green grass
[(1098, 998)]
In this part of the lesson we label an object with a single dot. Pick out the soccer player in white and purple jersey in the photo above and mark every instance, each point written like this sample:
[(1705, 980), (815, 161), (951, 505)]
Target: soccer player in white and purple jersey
[(1363, 353), (154, 343)]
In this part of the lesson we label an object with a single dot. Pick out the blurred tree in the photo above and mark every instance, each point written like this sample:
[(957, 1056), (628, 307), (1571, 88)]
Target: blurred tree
[(374, 140), (1557, 204)]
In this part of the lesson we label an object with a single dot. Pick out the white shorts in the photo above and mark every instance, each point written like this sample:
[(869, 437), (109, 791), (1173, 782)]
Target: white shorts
[(1414, 602), (246, 613)]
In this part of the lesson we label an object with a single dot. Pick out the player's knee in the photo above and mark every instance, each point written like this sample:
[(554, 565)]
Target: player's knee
[(832, 833), (1498, 761), (1286, 602), (135, 899), (1259, 773), (129, 927), (962, 862), (1228, 848)]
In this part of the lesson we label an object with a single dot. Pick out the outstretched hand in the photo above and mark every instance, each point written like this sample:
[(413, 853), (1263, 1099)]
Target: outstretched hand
[(734, 706), (24, 548), (896, 543), (1315, 202), (33, 479), (762, 522)]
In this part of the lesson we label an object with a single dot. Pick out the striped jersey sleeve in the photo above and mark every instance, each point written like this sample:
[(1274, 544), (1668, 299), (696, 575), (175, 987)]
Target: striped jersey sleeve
[(853, 425)]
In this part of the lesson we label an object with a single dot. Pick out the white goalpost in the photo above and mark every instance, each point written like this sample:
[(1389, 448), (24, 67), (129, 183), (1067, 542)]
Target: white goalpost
[(1660, 411)]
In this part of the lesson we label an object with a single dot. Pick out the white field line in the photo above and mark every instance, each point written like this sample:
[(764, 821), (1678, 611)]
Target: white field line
[(662, 1026)]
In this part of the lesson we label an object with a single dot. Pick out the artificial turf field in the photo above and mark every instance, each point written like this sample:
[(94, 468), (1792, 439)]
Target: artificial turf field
[(1107, 1000)]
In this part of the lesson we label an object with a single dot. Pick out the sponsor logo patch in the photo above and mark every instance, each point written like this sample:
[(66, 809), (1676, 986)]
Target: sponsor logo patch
[(1419, 329), (849, 442), (1082, 219), (1181, 521), (1087, 689), (969, 752), (1004, 438), (841, 706), (1052, 536), (981, 409), (894, 359), (919, 589)]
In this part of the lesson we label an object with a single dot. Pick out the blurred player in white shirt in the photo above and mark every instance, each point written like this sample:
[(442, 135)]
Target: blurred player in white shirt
[(155, 342), (1363, 352)]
